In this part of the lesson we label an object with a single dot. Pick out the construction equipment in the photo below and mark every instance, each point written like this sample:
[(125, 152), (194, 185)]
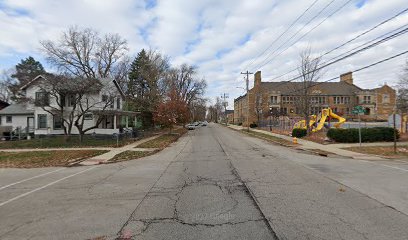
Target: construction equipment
[(321, 120)]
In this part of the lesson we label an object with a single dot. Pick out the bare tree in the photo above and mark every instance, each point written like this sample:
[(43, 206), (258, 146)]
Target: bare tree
[(309, 73), (6, 82), (185, 80), (85, 53), (402, 98), (258, 107)]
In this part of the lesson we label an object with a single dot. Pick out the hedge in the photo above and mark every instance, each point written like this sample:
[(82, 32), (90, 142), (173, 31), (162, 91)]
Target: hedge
[(376, 134), (299, 132), (253, 125)]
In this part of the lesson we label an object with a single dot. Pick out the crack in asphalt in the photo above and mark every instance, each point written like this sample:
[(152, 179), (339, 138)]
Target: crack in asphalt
[(227, 188)]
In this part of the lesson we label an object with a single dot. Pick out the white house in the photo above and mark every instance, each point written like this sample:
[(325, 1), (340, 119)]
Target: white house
[(41, 114)]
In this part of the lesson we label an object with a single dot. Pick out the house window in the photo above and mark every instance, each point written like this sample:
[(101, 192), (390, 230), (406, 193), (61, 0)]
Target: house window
[(62, 100), (71, 100), (9, 119), (88, 116), (105, 98), (42, 99), (57, 122), (42, 120), (386, 98), (118, 103)]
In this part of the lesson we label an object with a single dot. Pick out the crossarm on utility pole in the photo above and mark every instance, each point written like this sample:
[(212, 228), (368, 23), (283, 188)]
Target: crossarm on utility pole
[(247, 90)]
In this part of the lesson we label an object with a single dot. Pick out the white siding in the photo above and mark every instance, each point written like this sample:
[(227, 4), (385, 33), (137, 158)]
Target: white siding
[(17, 121)]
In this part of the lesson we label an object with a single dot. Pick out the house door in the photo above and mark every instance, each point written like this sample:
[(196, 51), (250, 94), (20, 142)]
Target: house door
[(30, 124)]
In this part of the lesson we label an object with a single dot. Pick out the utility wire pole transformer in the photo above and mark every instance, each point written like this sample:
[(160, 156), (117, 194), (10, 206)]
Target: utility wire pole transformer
[(224, 96), (247, 90)]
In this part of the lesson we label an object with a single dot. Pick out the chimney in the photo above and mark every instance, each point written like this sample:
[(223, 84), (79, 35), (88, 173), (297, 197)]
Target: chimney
[(347, 77), (257, 80)]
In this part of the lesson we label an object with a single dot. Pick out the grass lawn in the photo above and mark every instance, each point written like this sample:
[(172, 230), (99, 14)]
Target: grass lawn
[(130, 155), (268, 137), (62, 142), (35, 159), (164, 140), (402, 151)]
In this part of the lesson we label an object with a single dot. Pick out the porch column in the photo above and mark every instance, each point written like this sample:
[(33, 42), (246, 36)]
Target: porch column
[(114, 121)]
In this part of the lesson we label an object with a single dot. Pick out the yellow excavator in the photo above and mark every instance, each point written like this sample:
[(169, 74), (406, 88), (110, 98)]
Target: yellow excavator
[(321, 119)]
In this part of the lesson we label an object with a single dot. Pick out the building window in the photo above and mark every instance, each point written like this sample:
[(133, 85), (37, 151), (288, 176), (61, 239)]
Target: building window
[(42, 99), (386, 98), (9, 119), (88, 116), (341, 100), (42, 121), (118, 103), (367, 99), (105, 98), (57, 122)]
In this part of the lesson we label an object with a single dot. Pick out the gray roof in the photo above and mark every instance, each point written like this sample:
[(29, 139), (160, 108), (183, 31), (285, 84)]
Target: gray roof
[(16, 109), (327, 88)]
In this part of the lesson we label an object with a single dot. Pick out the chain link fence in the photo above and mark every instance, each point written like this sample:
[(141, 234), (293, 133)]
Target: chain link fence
[(20, 138)]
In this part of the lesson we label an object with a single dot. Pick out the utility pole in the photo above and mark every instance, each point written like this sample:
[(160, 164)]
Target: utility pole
[(247, 90), (225, 103), (395, 132)]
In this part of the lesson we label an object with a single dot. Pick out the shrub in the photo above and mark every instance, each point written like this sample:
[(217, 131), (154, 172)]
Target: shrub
[(299, 132), (253, 125), (376, 134), (240, 124)]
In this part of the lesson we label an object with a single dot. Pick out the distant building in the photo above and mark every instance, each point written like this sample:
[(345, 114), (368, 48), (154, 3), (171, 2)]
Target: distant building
[(341, 96), (230, 116)]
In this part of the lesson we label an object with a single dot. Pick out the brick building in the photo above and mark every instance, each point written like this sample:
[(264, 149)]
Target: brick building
[(341, 96)]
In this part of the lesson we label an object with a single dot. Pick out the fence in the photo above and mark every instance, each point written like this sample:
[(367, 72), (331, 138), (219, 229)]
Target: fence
[(19, 139)]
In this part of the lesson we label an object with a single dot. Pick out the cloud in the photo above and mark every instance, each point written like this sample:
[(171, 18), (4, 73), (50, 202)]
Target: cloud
[(221, 38)]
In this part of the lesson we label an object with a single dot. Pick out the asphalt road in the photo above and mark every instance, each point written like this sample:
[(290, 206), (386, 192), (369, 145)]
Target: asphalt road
[(213, 183)]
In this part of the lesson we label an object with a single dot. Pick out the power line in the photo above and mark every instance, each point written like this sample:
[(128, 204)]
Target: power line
[(266, 61), (399, 33), (283, 33), (294, 35), (351, 40), (356, 70)]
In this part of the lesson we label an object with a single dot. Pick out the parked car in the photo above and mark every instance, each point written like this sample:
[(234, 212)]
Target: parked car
[(205, 123), (196, 124), (190, 126)]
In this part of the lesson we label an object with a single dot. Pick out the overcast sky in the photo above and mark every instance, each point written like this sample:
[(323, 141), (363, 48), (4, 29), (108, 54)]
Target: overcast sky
[(221, 38)]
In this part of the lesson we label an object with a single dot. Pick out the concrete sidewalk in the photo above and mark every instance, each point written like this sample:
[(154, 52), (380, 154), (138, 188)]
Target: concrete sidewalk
[(103, 158), (309, 145)]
